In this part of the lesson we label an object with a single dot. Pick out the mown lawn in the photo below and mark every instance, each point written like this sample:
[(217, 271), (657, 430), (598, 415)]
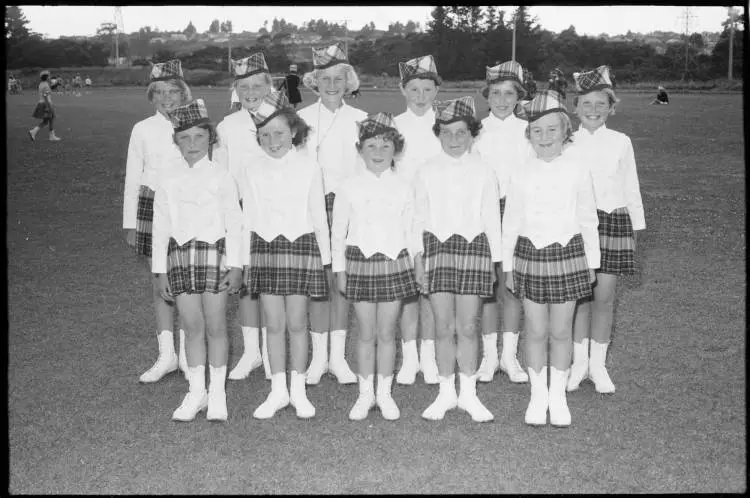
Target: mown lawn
[(80, 333)]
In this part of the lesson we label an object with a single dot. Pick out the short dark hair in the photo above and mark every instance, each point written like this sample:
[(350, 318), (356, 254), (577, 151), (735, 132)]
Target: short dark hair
[(44, 77), (520, 90), (300, 128), (392, 135), (213, 137), (473, 123)]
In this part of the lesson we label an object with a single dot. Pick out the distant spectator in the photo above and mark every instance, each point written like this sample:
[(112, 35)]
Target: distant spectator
[(43, 109), (528, 79), (291, 85), (662, 97), (557, 82)]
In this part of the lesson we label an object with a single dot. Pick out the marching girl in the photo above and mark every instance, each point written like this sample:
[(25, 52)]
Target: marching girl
[(152, 156), (237, 143), (331, 143), (457, 217), (420, 83), (610, 156), (551, 247), (371, 245), (287, 242), (502, 144), (197, 256), (43, 109)]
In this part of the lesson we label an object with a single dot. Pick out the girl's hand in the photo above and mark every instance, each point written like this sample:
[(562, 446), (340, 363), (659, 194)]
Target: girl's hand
[(162, 285), (592, 276), (130, 236), (232, 281), (341, 281), (509, 280)]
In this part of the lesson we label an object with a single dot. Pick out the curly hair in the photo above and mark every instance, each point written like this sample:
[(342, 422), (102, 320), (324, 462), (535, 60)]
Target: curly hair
[(298, 126), (472, 123), (179, 83), (310, 80), (566, 123), (390, 135)]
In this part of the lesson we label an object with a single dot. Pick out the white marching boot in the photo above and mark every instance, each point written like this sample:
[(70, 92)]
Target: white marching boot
[(468, 400), (217, 396), (165, 363), (298, 396), (366, 400), (182, 356), (319, 362), (509, 359), (337, 364), (264, 355), (490, 362), (559, 415), (409, 363), (536, 412), (428, 363), (384, 400), (196, 400), (276, 400), (579, 370), (251, 357), (447, 399), (597, 371)]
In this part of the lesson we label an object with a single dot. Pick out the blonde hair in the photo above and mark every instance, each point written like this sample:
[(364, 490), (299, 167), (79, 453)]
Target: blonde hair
[(567, 125), (611, 97), (310, 80), (184, 88)]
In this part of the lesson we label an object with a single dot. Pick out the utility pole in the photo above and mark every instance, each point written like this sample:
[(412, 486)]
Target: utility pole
[(513, 50), (229, 53), (731, 41), (120, 27), (687, 17)]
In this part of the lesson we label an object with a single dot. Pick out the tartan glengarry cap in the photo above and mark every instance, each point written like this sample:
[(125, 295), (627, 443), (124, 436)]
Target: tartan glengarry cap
[(375, 124), (325, 57), (191, 114), (421, 67), (269, 107), (449, 111), (255, 64), (591, 81), (544, 102), (169, 70), (508, 70)]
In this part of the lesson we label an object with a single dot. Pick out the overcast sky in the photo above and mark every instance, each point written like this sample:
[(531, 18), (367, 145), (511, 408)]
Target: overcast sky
[(54, 21)]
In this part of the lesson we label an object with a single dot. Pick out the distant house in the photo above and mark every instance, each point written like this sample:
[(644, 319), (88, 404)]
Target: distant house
[(178, 36), (158, 39)]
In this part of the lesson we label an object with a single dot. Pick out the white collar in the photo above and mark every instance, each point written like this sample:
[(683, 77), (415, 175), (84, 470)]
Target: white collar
[(583, 131), (323, 108), (385, 175), (429, 115)]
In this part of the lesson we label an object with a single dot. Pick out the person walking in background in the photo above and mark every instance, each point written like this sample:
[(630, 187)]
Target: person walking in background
[(502, 145), (291, 86), (419, 84), (551, 247), (332, 143), (87, 82), (152, 156), (372, 243), (197, 256), (44, 110), (457, 217), (610, 156), (662, 97), (238, 148)]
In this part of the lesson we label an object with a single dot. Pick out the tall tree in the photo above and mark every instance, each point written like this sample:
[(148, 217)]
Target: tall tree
[(226, 27), (491, 18), (15, 25), (215, 26), (190, 30)]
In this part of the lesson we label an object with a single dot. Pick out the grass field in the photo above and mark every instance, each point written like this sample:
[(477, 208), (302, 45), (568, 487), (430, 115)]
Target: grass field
[(80, 333)]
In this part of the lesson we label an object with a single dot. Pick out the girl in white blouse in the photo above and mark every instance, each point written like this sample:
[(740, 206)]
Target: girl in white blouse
[(197, 256), (551, 248), (152, 156), (457, 217), (287, 242), (502, 144), (371, 245), (610, 156)]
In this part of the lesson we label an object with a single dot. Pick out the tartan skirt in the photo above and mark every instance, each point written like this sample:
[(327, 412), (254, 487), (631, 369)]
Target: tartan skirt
[(195, 267), (502, 208), (285, 268), (144, 221), (617, 242), (553, 274), (43, 110), (457, 266), (379, 278), (330, 196)]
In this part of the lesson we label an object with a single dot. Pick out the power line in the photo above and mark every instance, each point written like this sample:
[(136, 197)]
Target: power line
[(687, 16)]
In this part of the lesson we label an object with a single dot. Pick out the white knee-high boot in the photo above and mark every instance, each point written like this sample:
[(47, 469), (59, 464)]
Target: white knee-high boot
[(384, 400), (251, 357), (468, 400), (409, 363), (536, 412), (167, 360), (196, 399), (559, 414), (597, 371), (490, 362), (217, 397), (428, 363), (447, 399), (580, 367), (337, 364), (366, 399), (319, 361), (276, 400), (509, 358)]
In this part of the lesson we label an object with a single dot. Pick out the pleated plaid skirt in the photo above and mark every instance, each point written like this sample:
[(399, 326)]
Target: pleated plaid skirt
[(43, 110), (144, 221), (379, 278), (457, 266), (553, 274), (330, 196), (195, 267), (617, 242), (285, 268)]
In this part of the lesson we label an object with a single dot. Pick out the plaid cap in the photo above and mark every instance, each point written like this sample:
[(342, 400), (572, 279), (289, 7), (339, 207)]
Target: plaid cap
[(508, 70), (325, 57), (556, 74), (166, 70), (449, 111), (272, 104), (375, 124), (189, 115), (421, 67), (590, 81), (544, 102), (249, 66)]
